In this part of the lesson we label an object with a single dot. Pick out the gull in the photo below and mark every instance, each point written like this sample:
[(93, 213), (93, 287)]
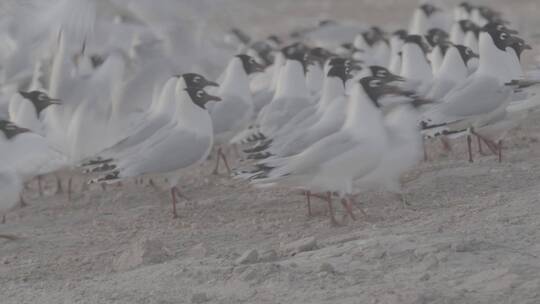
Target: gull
[(297, 137), (482, 96), (396, 44), (235, 111), (291, 95), (438, 40), (30, 110), (159, 118), (332, 163), (428, 16), (454, 69), (186, 144), (415, 65)]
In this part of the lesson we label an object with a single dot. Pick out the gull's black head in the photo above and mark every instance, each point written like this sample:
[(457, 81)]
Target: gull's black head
[(264, 50), (197, 81), (402, 34), (375, 88), (251, 65), (502, 36), (96, 60), (11, 130), (318, 56), (326, 22), (436, 36), (429, 9), (469, 26), (274, 39), (520, 46), (40, 100), (337, 61), (294, 50), (200, 97), (348, 46), (418, 40), (340, 72), (241, 35), (354, 65), (491, 15), (379, 33), (384, 74), (466, 6), (466, 53), (373, 35)]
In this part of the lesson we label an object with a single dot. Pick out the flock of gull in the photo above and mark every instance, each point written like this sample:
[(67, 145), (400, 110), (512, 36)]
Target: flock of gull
[(331, 110)]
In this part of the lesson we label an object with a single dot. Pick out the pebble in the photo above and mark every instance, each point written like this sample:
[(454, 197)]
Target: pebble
[(143, 252), (248, 257), (198, 251), (199, 298), (327, 267), (269, 256), (307, 244)]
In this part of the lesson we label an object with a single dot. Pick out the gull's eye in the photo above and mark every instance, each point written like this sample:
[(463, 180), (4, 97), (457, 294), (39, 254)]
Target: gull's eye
[(42, 97), (503, 36), (381, 74), (200, 94), (197, 79), (251, 60), (375, 83), (435, 39)]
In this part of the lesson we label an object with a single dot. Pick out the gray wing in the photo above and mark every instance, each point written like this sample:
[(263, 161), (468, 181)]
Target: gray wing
[(150, 128), (230, 114), (322, 151), (480, 96), (180, 150)]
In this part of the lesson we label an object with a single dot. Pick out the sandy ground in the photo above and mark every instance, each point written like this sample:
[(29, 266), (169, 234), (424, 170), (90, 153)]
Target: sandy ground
[(471, 235)]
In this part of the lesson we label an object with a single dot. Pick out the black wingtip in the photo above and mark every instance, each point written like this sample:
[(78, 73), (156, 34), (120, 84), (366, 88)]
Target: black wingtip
[(95, 162), (111, 177)]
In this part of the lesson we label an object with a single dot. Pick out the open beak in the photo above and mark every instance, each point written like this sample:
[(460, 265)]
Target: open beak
[(394, 77), (214, 98), (211, 84), (24, 94), (510, 31), (258, 67)]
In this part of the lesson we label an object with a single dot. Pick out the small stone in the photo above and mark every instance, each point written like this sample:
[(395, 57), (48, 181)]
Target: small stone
[(199, 298), (198, 251), (327, 267), (269, 256), (425, 277), (307, 244), (250, 275), (143, 252), (466, 246), (249, 257)]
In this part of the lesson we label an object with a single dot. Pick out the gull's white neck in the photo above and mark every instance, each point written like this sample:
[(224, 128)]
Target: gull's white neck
[(333, 88), (314, 78), (166, 102), (415, 65), (492, 60), (292, 82), (361, 111), (191, 116), (453, 67), (236, 81)]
